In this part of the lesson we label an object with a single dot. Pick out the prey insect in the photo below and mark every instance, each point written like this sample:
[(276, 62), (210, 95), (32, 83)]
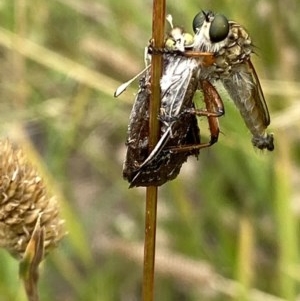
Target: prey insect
[(180, 137), (233, 47), (180, 134)]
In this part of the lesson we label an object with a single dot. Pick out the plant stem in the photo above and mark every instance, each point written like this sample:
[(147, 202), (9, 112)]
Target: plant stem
[(158, 22)]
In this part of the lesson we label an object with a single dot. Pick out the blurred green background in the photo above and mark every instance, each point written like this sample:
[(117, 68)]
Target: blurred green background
[(228, 226)]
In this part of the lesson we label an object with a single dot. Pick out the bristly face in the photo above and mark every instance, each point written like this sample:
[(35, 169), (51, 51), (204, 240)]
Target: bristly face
[(211, 31), (228, 40)]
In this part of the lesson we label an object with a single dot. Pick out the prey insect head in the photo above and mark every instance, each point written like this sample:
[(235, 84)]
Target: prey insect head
[(177, 39)]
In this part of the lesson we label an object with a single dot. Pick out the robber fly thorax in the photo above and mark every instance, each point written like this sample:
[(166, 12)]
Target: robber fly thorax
[(233, 47)]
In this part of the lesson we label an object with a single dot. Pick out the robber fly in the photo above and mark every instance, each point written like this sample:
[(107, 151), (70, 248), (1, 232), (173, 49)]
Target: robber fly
[(180, 134), (233, 47)]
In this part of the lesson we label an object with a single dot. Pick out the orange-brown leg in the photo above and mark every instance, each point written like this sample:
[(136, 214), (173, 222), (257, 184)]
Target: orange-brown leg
[(214, 109)]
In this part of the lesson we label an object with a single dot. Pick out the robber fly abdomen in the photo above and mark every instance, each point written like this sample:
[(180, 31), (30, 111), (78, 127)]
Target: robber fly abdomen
[(250, 102)]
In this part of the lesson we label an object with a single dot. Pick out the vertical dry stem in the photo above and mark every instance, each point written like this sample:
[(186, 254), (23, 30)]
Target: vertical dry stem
[(158, 21)]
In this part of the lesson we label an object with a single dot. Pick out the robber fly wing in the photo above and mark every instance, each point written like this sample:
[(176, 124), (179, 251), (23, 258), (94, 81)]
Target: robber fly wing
[(244, 88), (258, 95)]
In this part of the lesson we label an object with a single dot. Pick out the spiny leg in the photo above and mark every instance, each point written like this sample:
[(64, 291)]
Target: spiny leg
[(214, 109), (213, 103)]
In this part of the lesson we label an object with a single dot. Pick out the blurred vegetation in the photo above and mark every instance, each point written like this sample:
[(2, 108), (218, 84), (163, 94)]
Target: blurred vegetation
[(228, 226)]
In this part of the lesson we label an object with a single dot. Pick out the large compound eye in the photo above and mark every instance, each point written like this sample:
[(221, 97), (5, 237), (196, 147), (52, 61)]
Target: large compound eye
[(219, 29), (200, 18)]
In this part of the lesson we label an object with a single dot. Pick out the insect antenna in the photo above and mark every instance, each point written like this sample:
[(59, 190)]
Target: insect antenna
[(124, 86), (169, 18)]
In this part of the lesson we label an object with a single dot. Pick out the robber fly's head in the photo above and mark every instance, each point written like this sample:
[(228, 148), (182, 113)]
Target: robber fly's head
[(211, 31), (177, 39)]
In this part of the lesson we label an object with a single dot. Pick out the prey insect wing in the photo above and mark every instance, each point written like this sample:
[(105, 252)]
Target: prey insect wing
[(174, 83)]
